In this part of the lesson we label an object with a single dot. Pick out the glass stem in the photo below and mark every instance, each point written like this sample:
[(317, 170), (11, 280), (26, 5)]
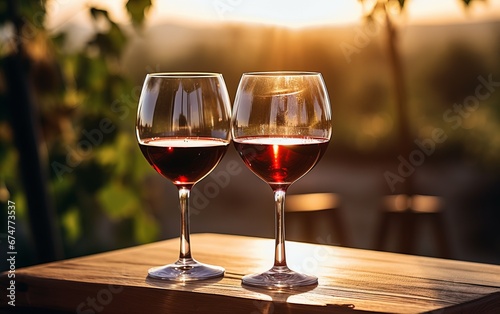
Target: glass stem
[(279, 251), (185, 249)]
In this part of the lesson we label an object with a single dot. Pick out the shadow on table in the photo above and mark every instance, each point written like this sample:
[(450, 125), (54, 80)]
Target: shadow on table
[(281, 301), (181, 284)]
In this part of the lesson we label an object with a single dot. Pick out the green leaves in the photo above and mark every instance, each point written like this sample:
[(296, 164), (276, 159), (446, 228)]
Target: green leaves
[(103, 180), (4, 15), (32, 12), (137, 10), (111, 41), (97, 13), (118, 201)]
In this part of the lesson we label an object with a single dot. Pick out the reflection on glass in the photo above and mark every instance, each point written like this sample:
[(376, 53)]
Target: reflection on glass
[(281, 126), (183, 130)]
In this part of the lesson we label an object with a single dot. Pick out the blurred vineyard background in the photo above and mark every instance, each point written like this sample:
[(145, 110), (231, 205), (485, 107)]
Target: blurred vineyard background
[(86, 80)]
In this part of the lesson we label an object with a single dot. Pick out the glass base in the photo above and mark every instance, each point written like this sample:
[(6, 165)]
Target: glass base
[(187, 269), (279, 277)]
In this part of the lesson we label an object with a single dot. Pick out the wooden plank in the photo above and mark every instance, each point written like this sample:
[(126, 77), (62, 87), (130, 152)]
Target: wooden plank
[(349, 280)]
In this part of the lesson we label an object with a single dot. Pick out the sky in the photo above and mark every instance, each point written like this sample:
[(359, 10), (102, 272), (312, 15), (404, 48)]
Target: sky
[(289, 13)]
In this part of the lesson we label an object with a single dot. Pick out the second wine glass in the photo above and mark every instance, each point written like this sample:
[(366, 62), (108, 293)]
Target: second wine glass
[(281, 127)]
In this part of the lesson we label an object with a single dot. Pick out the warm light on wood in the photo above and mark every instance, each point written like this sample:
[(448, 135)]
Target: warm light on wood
[(349, 279)]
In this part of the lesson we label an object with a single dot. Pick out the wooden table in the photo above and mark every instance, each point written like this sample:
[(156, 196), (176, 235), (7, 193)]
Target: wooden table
[(349, 280)]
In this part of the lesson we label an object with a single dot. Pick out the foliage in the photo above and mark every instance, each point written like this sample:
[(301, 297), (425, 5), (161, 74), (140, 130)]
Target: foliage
[(80, 98)]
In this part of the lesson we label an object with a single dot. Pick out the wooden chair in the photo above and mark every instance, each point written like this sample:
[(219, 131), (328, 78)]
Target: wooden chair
[(406, 214), (314, 218)]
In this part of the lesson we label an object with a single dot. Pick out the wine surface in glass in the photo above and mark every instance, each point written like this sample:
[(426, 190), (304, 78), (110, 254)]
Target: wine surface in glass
[(280, 160), (184, 161)]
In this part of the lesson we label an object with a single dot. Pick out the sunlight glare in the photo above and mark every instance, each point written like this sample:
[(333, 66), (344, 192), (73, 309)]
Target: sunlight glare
[(286, 13), (291, 13)]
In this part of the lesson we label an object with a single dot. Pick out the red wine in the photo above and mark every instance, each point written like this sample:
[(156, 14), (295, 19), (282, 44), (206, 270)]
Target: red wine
[(184, 161), (280, 161)]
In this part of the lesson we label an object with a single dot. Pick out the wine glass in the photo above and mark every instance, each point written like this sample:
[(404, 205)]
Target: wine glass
[(281, 126), (183, 130)]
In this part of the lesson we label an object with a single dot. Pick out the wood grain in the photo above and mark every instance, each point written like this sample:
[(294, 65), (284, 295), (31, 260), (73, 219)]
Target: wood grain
[(349, 280)]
